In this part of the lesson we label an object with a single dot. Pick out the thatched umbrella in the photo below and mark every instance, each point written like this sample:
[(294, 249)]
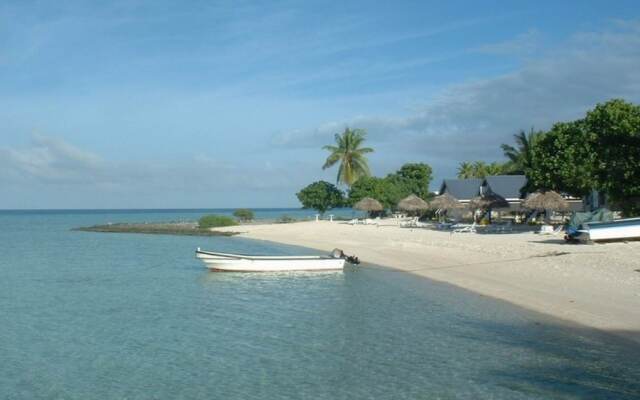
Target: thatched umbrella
[(488, 202), (368, 204), (546, 200), (445, 202), (413, 203)]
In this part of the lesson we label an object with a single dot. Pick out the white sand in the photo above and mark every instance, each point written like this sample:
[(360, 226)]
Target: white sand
[(593, 285)]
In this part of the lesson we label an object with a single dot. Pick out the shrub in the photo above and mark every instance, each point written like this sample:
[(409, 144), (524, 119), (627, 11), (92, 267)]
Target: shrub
[(285, 219), (214, 221), (243, 214)]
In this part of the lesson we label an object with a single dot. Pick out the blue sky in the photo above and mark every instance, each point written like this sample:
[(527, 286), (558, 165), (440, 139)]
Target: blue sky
[(145, 104)]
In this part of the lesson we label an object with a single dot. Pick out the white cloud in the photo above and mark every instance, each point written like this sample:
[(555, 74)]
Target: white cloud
[(471, 120), (48, 160)]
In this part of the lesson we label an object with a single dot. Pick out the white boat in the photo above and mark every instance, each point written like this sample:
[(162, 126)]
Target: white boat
[(620, 229), (250, 263)]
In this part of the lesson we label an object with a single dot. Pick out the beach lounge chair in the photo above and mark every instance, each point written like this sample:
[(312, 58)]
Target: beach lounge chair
[(444, 226), (354, 221), (549, 230), (369, 221), (411, 223), (463, 228)]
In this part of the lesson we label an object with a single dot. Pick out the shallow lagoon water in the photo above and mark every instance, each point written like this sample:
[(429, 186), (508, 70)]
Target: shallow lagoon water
[(114, 316)]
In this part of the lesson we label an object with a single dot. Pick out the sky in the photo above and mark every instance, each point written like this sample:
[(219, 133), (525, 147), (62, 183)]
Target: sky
[(204, 104)]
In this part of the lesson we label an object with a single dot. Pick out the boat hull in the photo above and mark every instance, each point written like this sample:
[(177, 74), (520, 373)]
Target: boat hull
[(243, 263), (622, 229)]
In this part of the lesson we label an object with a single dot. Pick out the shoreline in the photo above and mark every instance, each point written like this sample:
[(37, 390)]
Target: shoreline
[(597, 286)]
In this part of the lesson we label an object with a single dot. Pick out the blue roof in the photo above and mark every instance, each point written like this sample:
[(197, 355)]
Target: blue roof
[(506, 186), (461, 189)]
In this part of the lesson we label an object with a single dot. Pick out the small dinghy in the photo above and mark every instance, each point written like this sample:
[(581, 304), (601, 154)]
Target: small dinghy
[(253, 263)]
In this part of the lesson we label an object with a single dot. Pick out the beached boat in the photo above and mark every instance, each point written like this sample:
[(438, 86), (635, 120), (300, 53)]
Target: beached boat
[(620, 229), (252, 263)]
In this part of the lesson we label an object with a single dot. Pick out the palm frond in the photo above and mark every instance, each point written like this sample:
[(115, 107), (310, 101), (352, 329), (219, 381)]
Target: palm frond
[(331, 160)]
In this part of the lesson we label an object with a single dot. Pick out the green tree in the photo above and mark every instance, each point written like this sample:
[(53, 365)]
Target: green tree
[(562, 160), (320, 196), (413, 178), (480, 169), (465, 170), (387, 191), (613, 140), (495, 168), (351, 156), (521, 156), (243, 214)]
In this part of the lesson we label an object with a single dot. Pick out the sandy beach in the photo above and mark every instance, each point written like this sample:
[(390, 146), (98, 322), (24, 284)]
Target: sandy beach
[(595, 285)]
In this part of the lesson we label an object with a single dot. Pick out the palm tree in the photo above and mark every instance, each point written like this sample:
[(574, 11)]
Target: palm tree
[(495, 168), (465, 170), (521, 157), (353, 163), (479, 169)]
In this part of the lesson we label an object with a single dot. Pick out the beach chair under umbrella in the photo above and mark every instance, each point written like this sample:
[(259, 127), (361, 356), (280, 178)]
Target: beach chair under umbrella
[(369, 205), (487, 202), (444, 203), (546, 201)]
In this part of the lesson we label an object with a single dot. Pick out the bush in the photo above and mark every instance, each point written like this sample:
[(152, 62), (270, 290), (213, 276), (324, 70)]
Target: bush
[(285, 219), (243, 214), (214, 221)]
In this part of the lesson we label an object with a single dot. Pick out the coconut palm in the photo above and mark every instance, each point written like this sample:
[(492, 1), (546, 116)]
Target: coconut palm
[(350, 154), (521, 156), (465, 170), (495, 168)]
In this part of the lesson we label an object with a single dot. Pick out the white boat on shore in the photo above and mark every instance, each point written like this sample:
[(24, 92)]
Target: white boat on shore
[(621, 229), (252, 263)]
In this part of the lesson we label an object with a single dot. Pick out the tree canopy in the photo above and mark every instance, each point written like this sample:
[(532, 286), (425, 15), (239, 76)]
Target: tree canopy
[(243, 214), (414, 178), (482, 169), (321, 196), (600, 151), (349, 152), (521, 157), (411, 178)]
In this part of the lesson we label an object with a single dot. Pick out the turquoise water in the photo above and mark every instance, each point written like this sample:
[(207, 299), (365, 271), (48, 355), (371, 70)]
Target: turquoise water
[(119, 316)]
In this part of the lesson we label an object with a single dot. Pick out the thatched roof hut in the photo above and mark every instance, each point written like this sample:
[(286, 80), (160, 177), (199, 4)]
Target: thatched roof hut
[(488, 201), (547, 200), (445, 202), (368, 204), (413, 203)]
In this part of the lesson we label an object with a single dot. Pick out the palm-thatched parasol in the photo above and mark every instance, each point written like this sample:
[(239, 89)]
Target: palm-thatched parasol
[(548, 200), (368, 204), (413, 203), (445, 202), (488, 201)]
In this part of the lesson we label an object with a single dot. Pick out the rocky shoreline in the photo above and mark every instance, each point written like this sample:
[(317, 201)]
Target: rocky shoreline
[(165, 228)]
